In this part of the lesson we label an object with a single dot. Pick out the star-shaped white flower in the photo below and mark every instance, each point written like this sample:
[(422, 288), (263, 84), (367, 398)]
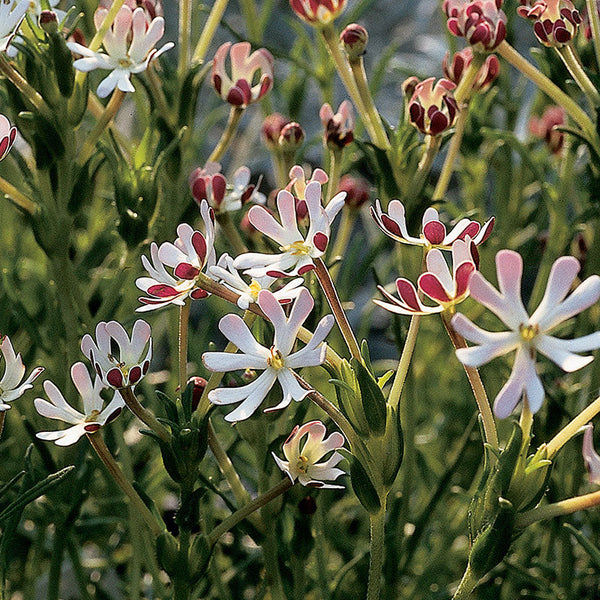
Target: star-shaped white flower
[(278, 361), (94, 415), (11, 387), (302, 462), (297, 251), (123, 57), (528, 334)]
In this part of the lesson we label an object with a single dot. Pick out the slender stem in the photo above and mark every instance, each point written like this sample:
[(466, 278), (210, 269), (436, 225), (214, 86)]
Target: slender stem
[(231, 233), (489, 425), (342, 239), (464, 90), (336, 307), (109, 112), (163, 108), (432, 146), (557, 509), (185, 24), (18, 198), (58, 549), (525, 422), (404, 362), (594, 20), (99, 445), (2, 419), (568, 56), (239, 515), (144, 415), (466, 586), (377, 528), (184, 319), (235, 114), (335, 169), (549, 88), (360, 77), (105, 25), (208, 32), (573, 427)]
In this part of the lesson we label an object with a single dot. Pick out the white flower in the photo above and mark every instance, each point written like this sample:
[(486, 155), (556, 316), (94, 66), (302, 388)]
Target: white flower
[(123, 58), (229, 276), (276, 361), (93, 417), (11, 387), (297, 251), (133, 359), (528, 334), (11, 15), (302, 463)]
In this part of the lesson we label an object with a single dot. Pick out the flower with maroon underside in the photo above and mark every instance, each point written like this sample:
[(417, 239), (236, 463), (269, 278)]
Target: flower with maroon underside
[(433, 233), (11, 386), (455, 69), (95, 415), (318, 12), (528, 335), (556, 21), (119, 361), (237, 89), (8, 133), (358, 191), (190, 254), (276, 362), (271, 129), (339, 127), (208, 183), (433, 109), (437, 283), (590, 456), (302, 462), (481, 22), (297, 186), (545, 127), (297, 250)]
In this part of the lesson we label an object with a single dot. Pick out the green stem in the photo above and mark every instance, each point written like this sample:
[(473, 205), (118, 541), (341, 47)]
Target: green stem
[(404, 362), (235, 114), (342, 238), (464, 90), (432, 146), (54, 575), (184, 319), (526, 422), (248, 509), (335, 169), (18, 198), (594, 20), (99, 445), (557, 509), (231, 232), (336, 307), (163, 108), (208, 32), (144, 415), (466, 586), (489, 425), (185, 24), (377, 523), (569, 58), (573, 427)]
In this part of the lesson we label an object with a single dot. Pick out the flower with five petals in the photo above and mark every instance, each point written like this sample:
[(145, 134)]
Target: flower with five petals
[(302, 463), (277, 362), (528, 334), (95, 415)]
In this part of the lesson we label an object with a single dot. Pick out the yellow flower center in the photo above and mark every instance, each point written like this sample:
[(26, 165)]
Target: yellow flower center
[(92, 417), (299, 248), (528, 332), (125, 63), (302, 464), (275, 360), (255, 288)]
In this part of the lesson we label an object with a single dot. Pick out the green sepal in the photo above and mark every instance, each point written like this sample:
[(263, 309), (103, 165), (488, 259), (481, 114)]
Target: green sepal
[(394, 447), (169, 406), (372, 398), (63, 64), (363, 487), (78, 101), (167, 553), (200, 553), (348, 401)]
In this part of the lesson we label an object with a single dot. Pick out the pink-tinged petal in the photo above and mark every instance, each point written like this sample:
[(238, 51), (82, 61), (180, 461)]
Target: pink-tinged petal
[(590, 456), (237, 332), (273, 311), (222, 362), (471, 332), (115, 378), (54, 410), (408, 293), (465, 227), (83, 382), (584, 343), (436, 265), (509, 267), (430, 285), (462, 277), (286, 337), (292, 390), (262, 220), (286, 205), (401, 309), (475, 356), (485, 231), (434, 231), (557, 351)]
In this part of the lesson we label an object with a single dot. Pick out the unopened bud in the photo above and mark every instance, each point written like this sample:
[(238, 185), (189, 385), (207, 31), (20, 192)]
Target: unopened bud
[(291, 137), (48, 21), (357, 190), (354, 39), (199, 384), (271, 130)]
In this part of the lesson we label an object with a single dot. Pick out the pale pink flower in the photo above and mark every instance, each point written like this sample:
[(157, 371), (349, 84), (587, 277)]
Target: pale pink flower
[(556, 21), (277, 362), (11, 384), (302, 462), (339, 127), (481, 22), (236, 84), (528, 335), (318, 12), (432, 108)]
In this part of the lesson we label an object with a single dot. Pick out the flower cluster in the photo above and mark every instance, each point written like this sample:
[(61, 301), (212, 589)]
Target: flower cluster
[(556, 21)]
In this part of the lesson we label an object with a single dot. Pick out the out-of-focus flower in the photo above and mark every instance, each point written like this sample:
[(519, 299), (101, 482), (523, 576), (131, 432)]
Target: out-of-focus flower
[(277, 362), (229, 276), (291, 137), (129, 46), (455, 69), (8, 133), (153, 8), (11, 15), (433, 233), (408, 86), (358, 190), (297, 251), (208, 183), (271, 130), (302, 463), (318, 12), (339, 127), (94, 416), (133, 359), (590, 456), (354, 38), (528, 334), (437, 283), (192, 253), (545, 127), (433, 109), (481, 22), (246, 68), (11, 387), (36, 9), (556, 21), (587, 29)]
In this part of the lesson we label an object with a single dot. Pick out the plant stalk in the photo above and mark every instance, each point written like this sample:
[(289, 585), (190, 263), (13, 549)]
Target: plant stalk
[(144, 415)]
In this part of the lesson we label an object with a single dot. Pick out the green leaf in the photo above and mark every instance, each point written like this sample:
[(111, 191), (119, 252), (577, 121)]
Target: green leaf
[(363, 487), (592, 550), (372, 398)]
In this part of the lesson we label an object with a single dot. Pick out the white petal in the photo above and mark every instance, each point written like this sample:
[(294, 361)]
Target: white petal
[(557, 351)]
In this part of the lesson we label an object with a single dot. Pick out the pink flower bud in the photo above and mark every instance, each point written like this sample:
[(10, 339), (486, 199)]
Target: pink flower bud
[(291, 137), (339, 127), (354, 39), (556, 21), (48, 21), (199, 384), (460, 62), (271, 130), (357, 190), (433, 109), (545, 127), (318, 12), (481, 22)]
